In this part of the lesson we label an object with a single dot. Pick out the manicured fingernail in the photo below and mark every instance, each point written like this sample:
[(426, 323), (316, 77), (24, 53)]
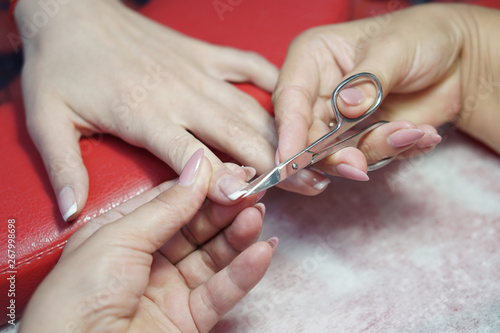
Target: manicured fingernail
[(429, 140), (67, 202), (313, 179), (277, 157), (260, 195), (352, 96), (261, 207), (404, 137), (188, 174), (230, 186), (273, 241), (351, 172), (250, 172)]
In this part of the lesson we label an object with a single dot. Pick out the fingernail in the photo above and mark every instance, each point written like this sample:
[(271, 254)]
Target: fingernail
[(67, 202), (273, 241), (250, 172), (230, 185), (351, 172), (188, 174), (352, 96), (404, 137), (313, 179), (277, 157), (260, 195), (261, 207), (429, 140)]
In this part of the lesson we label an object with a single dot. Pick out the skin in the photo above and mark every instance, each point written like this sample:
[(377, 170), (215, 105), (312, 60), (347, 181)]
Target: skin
[(159, 263), (86, 74), (433, 71), (153, 92)]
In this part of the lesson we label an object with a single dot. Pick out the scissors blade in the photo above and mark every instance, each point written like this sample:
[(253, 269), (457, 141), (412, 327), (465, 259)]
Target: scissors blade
[(276, 175), (263, 182)]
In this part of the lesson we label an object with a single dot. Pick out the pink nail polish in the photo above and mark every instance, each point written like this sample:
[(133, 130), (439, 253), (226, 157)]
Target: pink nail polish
[(67, 202), (405, 137), (351, 172), (352, 96), (188, 174), (273, 241), (249, 171), (429, 140)]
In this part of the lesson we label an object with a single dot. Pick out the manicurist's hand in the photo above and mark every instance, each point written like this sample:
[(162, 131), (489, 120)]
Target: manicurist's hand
[(158, 263), (99, 67), (432, 70)]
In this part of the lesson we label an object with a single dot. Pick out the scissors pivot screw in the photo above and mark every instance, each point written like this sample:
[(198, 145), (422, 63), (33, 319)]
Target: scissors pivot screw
[(295, 166)]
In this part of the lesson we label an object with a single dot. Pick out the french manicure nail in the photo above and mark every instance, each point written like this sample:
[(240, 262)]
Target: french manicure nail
[(188, 174), (67, 202), (273, 241), (277, 157), (404, 137), (313, 179), (429, 140), (351, 172), (352, 96), (250, 172), (230, 185)]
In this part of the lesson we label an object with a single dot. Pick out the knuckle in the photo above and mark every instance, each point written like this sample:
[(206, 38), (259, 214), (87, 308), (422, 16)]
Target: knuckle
[(177, 146)]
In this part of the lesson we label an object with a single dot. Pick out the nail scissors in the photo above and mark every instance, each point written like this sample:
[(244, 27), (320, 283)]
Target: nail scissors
[(325, 146)]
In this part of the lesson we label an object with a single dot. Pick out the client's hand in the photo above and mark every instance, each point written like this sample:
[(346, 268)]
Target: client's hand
[(99, 67), (155, 264)]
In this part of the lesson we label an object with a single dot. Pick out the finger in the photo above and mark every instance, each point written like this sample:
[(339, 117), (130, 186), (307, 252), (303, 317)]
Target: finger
[(210, 301), (235, 133), (207, 223), (174, 145), (306, 182), (113, 215), (389, 140), (154, 223), (200, 265), (429, 141), (232, 100), (349, 163), (293, 101), (57, 140), (244, 66)]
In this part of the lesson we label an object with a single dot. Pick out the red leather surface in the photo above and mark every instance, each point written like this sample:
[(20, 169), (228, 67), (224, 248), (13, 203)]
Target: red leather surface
[(117, 170)]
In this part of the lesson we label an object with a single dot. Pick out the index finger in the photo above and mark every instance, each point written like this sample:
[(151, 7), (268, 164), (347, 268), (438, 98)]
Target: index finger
[(293, 99)]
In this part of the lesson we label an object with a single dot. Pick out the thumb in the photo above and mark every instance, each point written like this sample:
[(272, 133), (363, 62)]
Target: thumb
[(150, 226), (359, 95), (57, 141)]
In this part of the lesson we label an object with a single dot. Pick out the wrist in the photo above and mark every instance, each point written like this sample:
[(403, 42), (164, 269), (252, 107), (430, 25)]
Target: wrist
[(34, 17), (480, 73)]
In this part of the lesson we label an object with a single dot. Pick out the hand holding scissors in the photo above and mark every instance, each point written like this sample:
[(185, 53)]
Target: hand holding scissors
[(325, 146)]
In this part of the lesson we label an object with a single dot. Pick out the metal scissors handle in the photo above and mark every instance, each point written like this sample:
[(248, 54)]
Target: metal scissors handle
[(324, 146)]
